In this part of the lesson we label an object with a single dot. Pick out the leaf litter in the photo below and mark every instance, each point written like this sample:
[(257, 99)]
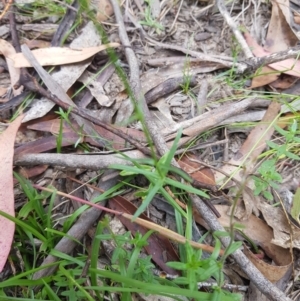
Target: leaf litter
[(173, 83)]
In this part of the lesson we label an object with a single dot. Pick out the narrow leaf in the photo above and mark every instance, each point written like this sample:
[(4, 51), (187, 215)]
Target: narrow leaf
[(7, 227), (295, 211), (56, 56)]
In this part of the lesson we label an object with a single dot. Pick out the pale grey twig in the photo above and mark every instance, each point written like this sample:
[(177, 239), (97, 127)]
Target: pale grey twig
[(202, 96), (242, 42), (69, 161), (135, 83)]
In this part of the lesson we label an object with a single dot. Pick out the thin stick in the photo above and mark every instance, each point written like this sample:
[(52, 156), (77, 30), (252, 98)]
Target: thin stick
[(233, 27)]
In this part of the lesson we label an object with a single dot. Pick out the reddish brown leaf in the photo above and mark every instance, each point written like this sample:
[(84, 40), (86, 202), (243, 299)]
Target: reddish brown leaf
[(45, 144), (272, 272), (196, 170), (29, 172), (53, 126), (7, 228), (264, 76), (159, 247)]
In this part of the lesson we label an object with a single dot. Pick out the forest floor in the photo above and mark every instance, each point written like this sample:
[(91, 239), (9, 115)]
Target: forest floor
[(150, 150)]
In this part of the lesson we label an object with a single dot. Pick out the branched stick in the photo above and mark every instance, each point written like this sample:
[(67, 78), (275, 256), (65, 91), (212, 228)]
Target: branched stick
[(257, 62)]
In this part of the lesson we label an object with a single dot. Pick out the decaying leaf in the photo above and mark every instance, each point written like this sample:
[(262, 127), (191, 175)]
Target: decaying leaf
[(7, 227), (271, 272), (71, 134), (280, 36), (242, 164), (283, 231), (286, 10)]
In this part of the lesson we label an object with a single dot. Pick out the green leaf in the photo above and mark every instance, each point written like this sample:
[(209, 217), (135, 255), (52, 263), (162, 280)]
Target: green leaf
[(280, 130), (267, 194), (257, 190), (135, 285), (221, 234), (25, 226), (177, 265), (273, 184), (172, 202), (51, 292), (294, 126), (181, 280), (233, 247), (96, 245), (281, 150), (133, 170), (292, 156), (296, 140), (171, 152), (217, 249), (272, 145), (150, 196)]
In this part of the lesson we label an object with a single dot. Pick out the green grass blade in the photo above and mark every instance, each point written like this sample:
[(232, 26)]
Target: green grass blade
[(171, 152), (67, 257), (51, 292), (187, 188), (95, 253), (24, 226), (156, 288), (74, 282), (148, 199), (172, 202)]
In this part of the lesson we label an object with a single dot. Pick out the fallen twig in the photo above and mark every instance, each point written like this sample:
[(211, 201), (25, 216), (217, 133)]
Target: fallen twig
[(242, 42)]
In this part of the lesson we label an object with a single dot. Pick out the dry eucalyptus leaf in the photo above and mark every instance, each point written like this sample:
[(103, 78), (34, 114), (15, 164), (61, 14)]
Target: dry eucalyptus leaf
[(286, 10), (277, 220), (8, 50), (54, 56), (271, 272), (7, 201)]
